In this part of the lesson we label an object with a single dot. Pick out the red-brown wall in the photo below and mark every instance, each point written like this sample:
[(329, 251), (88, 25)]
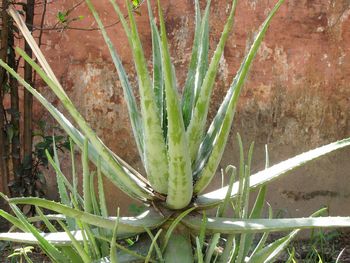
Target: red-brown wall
[(297, 95)]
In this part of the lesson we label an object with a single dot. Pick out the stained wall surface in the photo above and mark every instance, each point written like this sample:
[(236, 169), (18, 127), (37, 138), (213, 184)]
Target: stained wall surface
[(297, 95)]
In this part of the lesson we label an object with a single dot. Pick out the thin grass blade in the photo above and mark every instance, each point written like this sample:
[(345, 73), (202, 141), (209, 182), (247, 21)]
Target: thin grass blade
[(74, 174), (78, 247), (113, 253), (101, 191), (154, 242)]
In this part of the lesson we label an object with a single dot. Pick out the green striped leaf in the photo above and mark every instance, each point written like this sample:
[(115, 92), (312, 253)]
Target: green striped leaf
[(57, 238), (155, 157), (62, 183), (61, 175), (263, 177), (101, 191), (127, 225), (197, 124), (235, 226), (198, 64), (134, 114), (180, 185), (213, 145), (158, 76), (86, 178)]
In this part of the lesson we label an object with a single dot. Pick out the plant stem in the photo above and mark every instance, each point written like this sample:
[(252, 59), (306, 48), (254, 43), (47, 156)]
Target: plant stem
[(3, 56), (28, 98)]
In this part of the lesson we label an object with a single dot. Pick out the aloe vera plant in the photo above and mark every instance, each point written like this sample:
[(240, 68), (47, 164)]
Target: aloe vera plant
[(180, 157)]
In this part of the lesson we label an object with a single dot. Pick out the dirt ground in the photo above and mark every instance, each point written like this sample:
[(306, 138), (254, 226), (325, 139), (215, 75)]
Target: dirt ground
[(329, 251)]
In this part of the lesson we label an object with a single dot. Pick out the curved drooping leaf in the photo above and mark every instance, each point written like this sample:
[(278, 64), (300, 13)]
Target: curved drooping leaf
[(35, 48), (272, 173), (180, 185), (196, 126), (127, 225), (155, 155), (233, 226), (213, 145), (111, 168)]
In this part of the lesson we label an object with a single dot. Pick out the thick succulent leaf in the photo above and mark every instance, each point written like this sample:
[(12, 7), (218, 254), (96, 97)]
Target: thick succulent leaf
[(198, 64), (173, 226), (158, 76), (155, 157), (233, 226), (117, 173), (127, 225), (272, 173), (213, 145), (179, 243), (180, 186), (136, 253), (57, 239), (203, 51), (197, 124), (134, 115)]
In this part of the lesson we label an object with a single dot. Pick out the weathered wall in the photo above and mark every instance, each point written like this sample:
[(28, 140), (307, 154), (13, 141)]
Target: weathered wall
[(297, 95)]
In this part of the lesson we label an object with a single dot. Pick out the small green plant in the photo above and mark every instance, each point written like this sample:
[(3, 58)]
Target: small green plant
[(180, 157), (22, 253)]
